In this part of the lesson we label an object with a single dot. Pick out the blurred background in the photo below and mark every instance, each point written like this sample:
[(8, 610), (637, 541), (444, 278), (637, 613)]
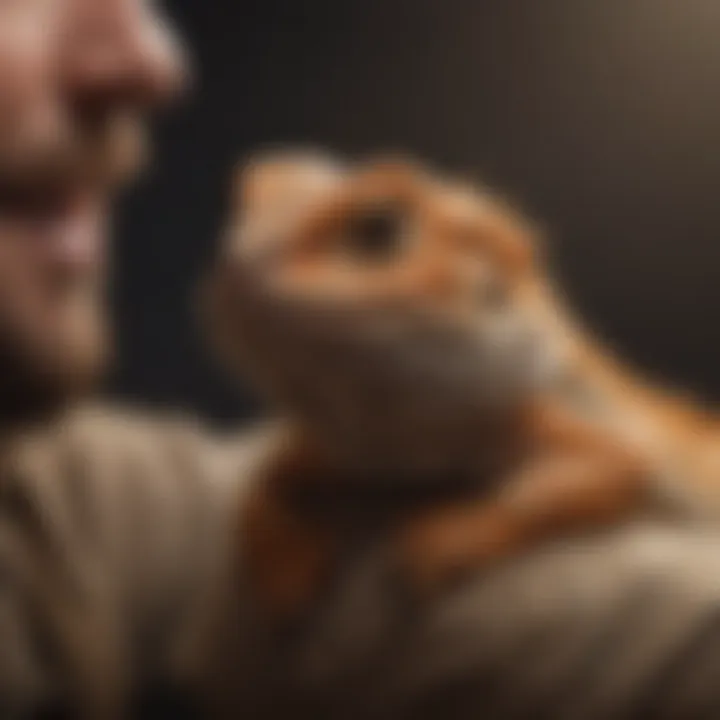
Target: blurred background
[(601, 117)]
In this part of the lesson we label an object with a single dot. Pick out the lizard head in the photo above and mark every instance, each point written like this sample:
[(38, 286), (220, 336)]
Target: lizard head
[(395, 311)]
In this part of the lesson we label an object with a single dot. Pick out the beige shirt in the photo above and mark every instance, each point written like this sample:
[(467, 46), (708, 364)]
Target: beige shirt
[(114, 535), (113, 529), (623, 626)]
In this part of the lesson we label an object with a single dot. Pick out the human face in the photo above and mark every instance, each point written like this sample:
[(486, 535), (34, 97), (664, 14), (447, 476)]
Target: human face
[(78, 79)]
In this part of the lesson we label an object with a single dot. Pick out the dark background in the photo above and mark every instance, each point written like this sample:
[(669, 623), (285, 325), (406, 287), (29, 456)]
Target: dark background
[(602, 117)]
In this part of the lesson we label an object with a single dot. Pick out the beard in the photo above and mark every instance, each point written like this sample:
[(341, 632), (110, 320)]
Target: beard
[(103, 151), (42, 373), (54, 343)]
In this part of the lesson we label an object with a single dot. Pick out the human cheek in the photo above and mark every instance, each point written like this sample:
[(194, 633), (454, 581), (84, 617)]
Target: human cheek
[(28, 64)]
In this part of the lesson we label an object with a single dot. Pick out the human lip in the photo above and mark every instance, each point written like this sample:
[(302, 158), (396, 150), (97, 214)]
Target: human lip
[(73, 234), (68, 224)]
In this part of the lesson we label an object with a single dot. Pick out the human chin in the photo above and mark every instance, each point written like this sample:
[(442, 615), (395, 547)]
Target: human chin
[(42, 373), (53, 335), (50, 360)]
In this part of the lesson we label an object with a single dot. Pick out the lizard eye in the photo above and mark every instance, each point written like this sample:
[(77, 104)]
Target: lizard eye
[(377, 232)]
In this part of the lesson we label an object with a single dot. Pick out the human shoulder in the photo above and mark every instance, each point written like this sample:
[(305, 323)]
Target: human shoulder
[(166, 436), (595, 628), (124, 457)]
